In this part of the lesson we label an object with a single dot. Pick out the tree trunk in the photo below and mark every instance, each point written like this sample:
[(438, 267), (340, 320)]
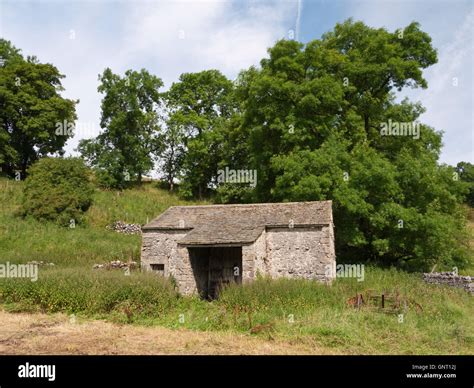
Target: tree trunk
[(366, 124)]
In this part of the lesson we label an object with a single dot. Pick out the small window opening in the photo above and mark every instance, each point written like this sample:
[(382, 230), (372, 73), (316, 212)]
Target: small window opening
[(158, 268)]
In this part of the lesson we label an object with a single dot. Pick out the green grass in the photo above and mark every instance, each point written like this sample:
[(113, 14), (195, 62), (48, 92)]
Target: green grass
[(138, 205), (23, 240), (91, 293), (298, 311), (320, 312)]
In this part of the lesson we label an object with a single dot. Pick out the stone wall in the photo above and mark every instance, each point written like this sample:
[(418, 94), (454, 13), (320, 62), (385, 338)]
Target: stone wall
[(254, 259), (450, 279), (300, 252), (248, 263), (161, 247), (261, 260)]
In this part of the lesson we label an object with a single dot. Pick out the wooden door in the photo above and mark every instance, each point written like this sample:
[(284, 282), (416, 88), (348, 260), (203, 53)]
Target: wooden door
[(225, 267)]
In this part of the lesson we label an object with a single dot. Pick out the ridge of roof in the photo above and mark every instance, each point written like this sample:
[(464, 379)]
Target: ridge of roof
[(247, 204)]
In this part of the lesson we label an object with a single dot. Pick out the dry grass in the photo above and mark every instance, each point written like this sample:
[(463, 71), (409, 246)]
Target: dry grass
[(34, 334)]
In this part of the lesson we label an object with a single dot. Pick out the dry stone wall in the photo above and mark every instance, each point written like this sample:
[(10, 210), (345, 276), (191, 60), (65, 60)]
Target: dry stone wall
[(450, 279)]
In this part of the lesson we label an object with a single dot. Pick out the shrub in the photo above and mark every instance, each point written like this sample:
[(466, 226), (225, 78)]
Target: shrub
[(58, 190)]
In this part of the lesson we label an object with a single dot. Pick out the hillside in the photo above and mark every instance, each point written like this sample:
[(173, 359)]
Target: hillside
[(437, 320), (23, 240)]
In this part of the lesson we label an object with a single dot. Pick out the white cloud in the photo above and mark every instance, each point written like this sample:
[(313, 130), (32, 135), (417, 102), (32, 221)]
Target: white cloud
[(224, 35), (448, 108), (449, 97), (214, 34)]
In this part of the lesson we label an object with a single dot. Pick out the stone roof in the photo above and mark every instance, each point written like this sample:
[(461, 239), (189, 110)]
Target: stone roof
[(236, 224)]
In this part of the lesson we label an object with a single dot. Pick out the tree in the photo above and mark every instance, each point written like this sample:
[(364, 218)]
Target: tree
[(373, 62), (31, 110), (235, 154), (171, 151), (314, 115), (58, 190), (123, 150), (200, 103), (466, 175)]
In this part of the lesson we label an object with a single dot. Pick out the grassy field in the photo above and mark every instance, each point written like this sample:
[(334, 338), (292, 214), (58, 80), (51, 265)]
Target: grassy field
[(23, 240), (295, 312)]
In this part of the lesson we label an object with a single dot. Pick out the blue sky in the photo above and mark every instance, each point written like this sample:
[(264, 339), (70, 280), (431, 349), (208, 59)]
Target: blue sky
[(171, 37)]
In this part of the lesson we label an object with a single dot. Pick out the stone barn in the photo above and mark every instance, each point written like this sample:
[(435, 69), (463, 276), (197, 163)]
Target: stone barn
[(205, 247)]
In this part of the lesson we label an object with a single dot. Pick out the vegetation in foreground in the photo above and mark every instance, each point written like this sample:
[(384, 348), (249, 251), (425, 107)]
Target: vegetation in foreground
[(294, 310)]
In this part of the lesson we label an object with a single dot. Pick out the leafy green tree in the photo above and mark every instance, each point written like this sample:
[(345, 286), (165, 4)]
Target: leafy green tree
[(236, 155), (123, 150), (200, 103), (465, 171), (171, 143), (372, 62), (58, 190), (314, 115), (31, 109)]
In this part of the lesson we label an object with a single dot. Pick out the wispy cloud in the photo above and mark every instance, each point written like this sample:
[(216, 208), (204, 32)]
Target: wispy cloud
[(177, 37), (449, 106), (298, 19), (166, 37), (449, 97)]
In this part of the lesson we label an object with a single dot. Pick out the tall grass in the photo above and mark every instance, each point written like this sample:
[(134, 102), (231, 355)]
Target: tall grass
[(89, 292), (309, 311), (293, 310)]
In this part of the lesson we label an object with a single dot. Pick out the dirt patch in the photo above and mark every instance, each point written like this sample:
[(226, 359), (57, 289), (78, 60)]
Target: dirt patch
[(55, 334)]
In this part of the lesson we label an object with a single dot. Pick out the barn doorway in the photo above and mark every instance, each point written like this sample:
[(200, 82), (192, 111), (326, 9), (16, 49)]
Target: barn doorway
[(215, 267)]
